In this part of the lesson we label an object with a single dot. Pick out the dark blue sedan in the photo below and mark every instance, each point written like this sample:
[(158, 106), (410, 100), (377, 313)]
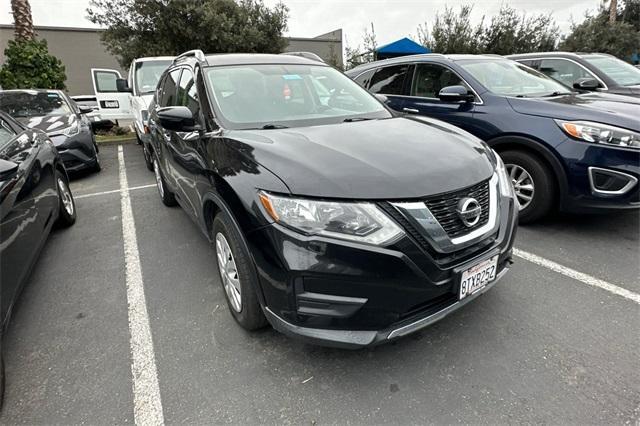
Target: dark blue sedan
[(576, 151)]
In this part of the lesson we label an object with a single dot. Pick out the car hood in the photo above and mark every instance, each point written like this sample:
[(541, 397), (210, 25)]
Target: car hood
[(48, 124), (616, 110), (397, 158)]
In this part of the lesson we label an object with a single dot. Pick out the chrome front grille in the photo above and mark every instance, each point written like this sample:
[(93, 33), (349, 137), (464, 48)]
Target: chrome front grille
[(444, 208)]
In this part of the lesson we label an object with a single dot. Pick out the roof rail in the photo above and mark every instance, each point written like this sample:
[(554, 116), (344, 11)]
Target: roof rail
[(308, 55), (196, 53)]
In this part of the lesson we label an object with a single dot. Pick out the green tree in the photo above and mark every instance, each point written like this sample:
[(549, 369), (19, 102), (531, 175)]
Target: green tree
[(28, 64), (452, 32), (137, 28), (510, 32), (598, 34)]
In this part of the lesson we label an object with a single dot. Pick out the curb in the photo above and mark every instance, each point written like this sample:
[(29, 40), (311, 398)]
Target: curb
[(110, 142)]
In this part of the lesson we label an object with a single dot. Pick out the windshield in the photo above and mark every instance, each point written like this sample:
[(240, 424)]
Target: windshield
[(509, 78), (148, 73), (33, 104), (252, 96), (619, 71)]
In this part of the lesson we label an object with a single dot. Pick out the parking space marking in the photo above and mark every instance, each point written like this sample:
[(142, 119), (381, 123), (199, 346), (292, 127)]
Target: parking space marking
[(147, 404), (576, 275), (114, 191)]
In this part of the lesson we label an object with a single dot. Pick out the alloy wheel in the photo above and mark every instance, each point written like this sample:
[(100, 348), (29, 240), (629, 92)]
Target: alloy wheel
[(523, 185), (65, 195), (156, 171), (228, 272)]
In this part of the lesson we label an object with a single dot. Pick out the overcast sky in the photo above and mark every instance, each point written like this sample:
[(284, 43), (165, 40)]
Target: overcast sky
[(392, 19)]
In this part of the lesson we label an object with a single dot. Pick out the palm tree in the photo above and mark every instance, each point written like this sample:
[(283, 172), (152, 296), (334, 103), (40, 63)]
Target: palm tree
[(22, 19), (613, 11)]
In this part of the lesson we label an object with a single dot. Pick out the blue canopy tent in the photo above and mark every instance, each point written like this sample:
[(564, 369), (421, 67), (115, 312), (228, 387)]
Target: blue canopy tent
[(402, 47)]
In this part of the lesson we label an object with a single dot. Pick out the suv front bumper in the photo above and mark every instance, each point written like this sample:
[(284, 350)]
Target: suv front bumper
[(344, 294)]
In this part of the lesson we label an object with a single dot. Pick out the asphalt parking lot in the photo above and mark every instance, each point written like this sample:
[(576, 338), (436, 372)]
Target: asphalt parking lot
[(551, 343)]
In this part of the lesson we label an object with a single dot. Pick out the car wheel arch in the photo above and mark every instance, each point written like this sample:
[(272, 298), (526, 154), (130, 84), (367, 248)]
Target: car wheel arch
[(537, 148), (225, 200)]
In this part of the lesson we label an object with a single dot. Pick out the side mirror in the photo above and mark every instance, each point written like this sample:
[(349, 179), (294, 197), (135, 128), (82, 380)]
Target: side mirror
[(7, 169), (382, 98), (122, 85), (85, 109), (456, 94), (586, 83), (178, 119)]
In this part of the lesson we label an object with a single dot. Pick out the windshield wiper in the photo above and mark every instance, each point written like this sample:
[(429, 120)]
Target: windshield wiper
[(352, 119), (273, 126), (550, 95)]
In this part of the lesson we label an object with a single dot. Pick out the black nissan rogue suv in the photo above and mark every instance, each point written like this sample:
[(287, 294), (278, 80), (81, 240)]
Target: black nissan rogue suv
[(334, 219)]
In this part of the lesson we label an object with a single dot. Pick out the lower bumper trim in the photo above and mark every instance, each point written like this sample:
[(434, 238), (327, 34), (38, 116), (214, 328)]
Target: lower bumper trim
[(354, 339)]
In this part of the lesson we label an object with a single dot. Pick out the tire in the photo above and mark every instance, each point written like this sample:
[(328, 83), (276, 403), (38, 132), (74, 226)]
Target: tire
[(66, 203), (148, 161), (528, 170), (2, 380), (243, 304), (96, 165), (167, 197)]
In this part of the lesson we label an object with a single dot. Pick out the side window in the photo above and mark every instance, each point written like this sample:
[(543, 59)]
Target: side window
[(566, 72), (429, 79), (6, 133), (364, 79), (187, 93), (169, 88), (389, 80), (105, 81)]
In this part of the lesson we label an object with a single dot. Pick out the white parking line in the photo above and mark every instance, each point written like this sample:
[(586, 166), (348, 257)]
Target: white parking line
[(147, 405), (95, 194), (576, 275)]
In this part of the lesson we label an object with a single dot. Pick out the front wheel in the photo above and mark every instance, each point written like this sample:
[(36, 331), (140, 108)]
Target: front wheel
[(168, 199), (533, 183), (236, 275), (148, 159), (67, 205)]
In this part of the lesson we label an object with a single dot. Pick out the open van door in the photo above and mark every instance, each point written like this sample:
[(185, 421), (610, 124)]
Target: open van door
[(113, 105)]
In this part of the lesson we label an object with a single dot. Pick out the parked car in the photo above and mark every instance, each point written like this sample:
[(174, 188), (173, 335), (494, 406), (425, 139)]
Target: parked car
[(579, 152), (141, 83), (53, 112), (586, 71), (34, 194), (90, 101), (334, 219)]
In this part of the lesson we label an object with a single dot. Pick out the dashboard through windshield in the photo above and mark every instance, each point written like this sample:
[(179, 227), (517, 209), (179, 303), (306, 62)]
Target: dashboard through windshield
[(288, 95)]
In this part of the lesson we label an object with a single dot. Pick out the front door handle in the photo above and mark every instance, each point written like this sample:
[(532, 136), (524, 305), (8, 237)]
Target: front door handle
[(411, 110)]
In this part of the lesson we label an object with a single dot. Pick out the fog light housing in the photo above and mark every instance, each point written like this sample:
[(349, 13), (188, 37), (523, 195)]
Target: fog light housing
[(610, 182)]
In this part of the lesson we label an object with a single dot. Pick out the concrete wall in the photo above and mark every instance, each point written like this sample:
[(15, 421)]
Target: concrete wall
[(80, 49)]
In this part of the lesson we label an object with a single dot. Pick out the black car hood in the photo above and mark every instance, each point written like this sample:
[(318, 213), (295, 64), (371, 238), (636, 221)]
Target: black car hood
[(48, 124), (397, 158), (616, 110)]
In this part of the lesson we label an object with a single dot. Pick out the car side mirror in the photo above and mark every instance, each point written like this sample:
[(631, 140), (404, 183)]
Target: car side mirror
[(456, 94), (178, 119), (85, 109), (586, 83), (122, 85), (8, 169)]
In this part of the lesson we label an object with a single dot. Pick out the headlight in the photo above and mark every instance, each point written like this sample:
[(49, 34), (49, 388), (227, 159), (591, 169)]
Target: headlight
[(506, 186), (600, 133), (67, 131), (362, 222)]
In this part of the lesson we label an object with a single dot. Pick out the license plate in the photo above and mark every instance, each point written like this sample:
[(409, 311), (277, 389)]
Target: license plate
[(478, 276), (111, 104)]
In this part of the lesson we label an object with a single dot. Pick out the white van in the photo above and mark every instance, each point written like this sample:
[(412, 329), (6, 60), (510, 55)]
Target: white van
[(139, 87)]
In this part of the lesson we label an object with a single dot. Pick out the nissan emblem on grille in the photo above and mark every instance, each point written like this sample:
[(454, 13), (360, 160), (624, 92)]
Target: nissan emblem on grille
[(469, 210)]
